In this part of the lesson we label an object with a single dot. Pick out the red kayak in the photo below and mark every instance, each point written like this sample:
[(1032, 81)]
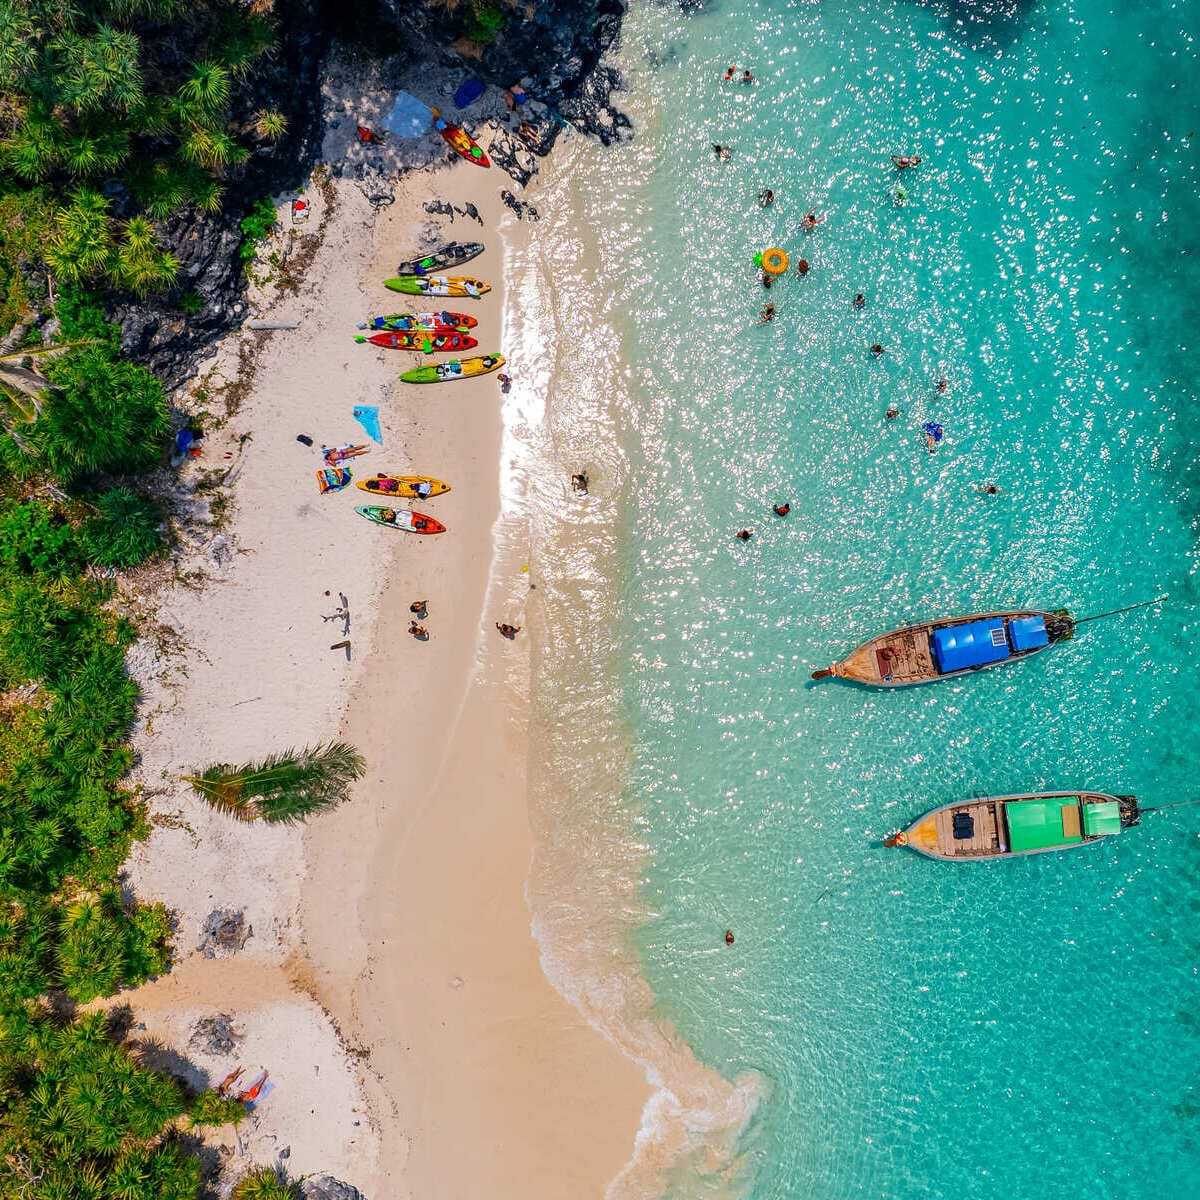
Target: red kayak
[(437, 341), (461, 142)]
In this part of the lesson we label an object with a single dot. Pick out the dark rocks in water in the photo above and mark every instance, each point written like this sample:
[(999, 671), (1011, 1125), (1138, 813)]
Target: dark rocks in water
[(215, 1034), (225, 931), (325, 1187)]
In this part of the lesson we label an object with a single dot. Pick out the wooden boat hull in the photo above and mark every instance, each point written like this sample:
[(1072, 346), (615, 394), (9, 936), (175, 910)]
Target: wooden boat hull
[(904, 657), (403, 519), (402, 487), (448, 372), (994, 831), (453, 254), (462, 286)]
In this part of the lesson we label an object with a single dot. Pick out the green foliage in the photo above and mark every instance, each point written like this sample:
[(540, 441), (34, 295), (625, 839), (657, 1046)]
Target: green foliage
[(209, 1109), (484, 22), (283, 787), (270, 125), (81, 317), (80, 1116), (256, 227), (125, 531), (101, 947), (104, 415), (37, 540), (265, 1183), (191, 303)]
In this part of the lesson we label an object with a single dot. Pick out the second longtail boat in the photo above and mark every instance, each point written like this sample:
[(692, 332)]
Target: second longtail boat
[(955, 646)]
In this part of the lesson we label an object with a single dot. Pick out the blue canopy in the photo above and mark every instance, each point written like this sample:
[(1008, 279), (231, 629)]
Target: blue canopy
[(468, 92), (1028, 633), (409, 117), (957, 647)]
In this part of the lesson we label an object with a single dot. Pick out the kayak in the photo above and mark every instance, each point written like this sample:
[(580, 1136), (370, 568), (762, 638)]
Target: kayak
[(453, 254), (400, 518), (423, 340), (446, 372), (407, 487), (432, 322), (461, 142), (438, 285)]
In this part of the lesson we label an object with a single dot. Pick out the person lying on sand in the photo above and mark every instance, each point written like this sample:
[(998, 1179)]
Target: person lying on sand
[(420, 608), (508, 631), (579, 482), (418, 631)]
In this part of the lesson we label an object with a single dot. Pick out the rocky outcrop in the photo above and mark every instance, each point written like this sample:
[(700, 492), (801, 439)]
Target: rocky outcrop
[(325, 1187)]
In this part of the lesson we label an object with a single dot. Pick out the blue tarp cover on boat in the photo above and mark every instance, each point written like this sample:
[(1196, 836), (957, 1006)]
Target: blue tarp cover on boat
[(1028, 633), (975, 644)]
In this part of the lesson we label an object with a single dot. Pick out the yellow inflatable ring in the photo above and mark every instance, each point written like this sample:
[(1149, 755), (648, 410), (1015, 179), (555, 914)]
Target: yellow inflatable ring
[(775, 261)]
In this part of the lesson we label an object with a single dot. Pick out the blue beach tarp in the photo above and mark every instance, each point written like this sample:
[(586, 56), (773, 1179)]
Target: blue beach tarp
[(468, 92), (367, 415), (409, 118), (1028, 633), (956, 647)]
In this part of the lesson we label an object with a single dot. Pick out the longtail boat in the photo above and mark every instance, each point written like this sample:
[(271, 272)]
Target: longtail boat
[(955, 646), (1025, 823)]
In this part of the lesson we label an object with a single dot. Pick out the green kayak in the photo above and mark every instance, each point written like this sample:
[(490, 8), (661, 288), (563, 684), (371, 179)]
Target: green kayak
[(456, 368)]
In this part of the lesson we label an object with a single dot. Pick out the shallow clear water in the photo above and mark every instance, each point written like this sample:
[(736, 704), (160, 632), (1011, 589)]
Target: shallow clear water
[(1021, 1029)]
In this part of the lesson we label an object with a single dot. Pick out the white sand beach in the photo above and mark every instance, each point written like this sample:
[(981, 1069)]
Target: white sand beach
[(389, 982)]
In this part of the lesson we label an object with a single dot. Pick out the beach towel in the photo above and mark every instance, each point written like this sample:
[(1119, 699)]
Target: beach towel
[(367, 415), (332, 479)]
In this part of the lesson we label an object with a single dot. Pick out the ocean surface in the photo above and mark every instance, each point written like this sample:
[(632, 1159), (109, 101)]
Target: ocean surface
[(899, 1028)]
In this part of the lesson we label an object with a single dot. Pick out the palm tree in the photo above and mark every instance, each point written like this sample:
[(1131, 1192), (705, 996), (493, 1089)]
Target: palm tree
[(206, 90), (265, 1183), (283, 787), (22, 387), (81, 245)]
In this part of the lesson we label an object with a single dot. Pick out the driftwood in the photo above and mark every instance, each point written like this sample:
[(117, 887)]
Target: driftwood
[(272, 324)]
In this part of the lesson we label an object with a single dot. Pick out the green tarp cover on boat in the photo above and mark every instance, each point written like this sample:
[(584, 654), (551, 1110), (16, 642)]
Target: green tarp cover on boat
[(1038, 824), (1102, 818)]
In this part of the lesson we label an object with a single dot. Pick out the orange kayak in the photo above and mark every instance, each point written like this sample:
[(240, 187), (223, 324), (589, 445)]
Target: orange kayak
[(462, 143)]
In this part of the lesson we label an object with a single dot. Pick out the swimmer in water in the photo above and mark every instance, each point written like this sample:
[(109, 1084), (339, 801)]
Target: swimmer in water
[(943, 387), (811, 221), (860, 301), (987, 489), (729, 74), (722, 152), (782, 510), (893, 411), (768, 313), (877, 349), (744, 535), (747, 77), (766, 197), (802, 267), (903, 161)]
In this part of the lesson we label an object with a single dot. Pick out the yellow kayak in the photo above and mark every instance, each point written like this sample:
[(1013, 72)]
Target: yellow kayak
[(408, 487), (456, 368), (438, 285)]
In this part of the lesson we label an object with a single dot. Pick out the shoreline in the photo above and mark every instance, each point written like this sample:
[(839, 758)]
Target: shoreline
[(469, 1042)]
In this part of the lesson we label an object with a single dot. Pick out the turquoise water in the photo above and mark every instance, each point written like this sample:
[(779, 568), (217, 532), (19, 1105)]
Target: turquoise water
[(1024, 1029)]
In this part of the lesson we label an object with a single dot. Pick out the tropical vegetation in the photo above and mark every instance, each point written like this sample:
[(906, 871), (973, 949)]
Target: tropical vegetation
[(284, 787), (117, 115)]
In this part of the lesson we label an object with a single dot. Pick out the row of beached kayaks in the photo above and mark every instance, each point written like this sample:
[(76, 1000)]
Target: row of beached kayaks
[(402, 487)]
